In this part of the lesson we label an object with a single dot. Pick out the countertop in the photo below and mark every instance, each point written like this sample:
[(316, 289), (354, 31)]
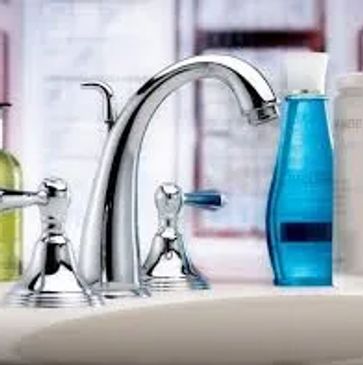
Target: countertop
[(20, 325)]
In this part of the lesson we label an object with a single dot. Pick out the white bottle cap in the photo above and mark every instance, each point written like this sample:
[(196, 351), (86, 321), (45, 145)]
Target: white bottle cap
[(305, 72), (350, 80)]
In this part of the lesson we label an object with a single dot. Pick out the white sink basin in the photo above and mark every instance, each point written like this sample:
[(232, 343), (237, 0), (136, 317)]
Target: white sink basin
[(269, 329)]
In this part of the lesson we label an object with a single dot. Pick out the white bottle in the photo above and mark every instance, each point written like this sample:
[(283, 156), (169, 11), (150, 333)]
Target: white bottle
[(348, 167)]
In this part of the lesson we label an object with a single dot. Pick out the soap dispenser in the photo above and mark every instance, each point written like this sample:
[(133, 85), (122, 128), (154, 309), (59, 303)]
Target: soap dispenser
[(299, 209)]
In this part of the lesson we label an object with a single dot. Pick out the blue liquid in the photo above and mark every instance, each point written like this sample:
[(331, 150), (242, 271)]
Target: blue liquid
[(299, 211)]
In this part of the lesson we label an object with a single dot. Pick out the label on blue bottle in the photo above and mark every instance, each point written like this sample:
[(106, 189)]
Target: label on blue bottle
[(306, 232)]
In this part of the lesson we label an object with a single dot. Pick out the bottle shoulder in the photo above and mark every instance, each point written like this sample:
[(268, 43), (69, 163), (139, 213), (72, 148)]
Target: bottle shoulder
[(8, 158)]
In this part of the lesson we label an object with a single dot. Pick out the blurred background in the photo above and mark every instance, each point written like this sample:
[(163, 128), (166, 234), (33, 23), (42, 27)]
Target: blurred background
[(198, 139)]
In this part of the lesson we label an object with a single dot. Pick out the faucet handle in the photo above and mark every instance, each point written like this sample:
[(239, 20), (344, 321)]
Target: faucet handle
[(53, 209), (168, 242), (107, 95), (169, 199), (51, 279), (52, 198), (205, 199)]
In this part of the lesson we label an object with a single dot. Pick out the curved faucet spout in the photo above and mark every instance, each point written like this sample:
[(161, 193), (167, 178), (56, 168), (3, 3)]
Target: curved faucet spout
[(110, 248)]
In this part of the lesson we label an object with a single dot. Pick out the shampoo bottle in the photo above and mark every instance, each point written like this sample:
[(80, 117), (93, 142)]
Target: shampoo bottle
[(348, 162), (10, 222), (299, 209)]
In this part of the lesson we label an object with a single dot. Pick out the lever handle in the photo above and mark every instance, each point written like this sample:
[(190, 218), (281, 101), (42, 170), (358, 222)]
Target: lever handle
[(52, 199), (107, 94), (169, 200), (205, 199), (12, 199)]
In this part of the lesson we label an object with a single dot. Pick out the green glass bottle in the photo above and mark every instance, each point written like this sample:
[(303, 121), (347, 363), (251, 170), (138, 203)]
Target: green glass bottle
[(10, 222)]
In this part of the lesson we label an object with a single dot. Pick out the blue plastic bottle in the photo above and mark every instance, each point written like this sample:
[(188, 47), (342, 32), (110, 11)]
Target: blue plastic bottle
[(299, 210)]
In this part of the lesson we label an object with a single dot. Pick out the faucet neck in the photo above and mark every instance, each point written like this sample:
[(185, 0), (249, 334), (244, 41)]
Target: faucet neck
[(110, 245)]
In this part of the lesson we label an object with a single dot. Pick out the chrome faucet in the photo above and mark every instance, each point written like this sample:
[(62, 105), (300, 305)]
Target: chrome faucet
[(109, 258)]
